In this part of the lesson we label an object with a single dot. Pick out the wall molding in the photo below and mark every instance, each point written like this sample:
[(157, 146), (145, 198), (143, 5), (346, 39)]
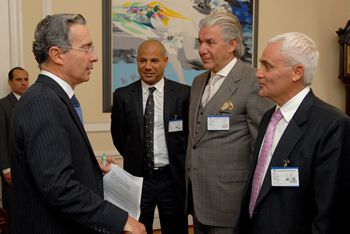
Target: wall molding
[(46, 8), (16, 33), (97, 127), (114, 154)]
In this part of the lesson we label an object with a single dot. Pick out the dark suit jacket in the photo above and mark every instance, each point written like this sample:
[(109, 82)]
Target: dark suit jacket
[(128, 131), (7, 106), (220, 160), (57, 182), (317, 141)]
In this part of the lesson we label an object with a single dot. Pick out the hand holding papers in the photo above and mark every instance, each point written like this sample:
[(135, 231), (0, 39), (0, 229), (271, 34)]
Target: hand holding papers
[(123, 190)]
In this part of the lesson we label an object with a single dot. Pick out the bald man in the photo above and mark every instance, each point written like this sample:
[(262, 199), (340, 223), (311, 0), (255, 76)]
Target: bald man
[(156, 153)]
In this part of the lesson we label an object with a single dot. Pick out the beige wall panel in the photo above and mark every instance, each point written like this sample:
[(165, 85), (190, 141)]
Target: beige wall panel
[(319, 19), (31, 16)]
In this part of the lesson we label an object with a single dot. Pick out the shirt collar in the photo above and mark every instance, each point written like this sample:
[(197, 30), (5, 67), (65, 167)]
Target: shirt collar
[(225, 70), (16, 95), (159, 86), (64, 85), (288, 110)]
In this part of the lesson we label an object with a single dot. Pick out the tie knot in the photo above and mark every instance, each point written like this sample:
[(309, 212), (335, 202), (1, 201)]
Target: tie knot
[(277, 116), (151, 89), (214, 79), (75, 101)]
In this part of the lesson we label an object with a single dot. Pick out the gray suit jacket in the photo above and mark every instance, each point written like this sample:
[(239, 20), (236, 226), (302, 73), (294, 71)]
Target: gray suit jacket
[(219, 161), (57, 182)]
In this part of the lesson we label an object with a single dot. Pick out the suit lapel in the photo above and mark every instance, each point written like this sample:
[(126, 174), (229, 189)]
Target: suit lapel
[(195, 102), (13, 100), (64, 97), (288, 141), (138, 103), (226, 90), (168, 103)]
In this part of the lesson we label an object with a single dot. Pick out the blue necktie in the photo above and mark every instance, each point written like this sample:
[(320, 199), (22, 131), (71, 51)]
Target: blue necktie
[(77, 107)]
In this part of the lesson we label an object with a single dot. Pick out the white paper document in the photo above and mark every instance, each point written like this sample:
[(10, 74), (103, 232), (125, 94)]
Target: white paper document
[(123, 190)]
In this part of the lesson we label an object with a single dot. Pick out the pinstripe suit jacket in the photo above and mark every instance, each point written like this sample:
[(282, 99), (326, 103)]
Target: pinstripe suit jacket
[(219, 161), (57, 182)]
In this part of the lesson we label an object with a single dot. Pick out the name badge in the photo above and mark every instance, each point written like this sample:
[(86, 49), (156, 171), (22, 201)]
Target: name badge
[(285, 176), (216, 123), (175, 125)]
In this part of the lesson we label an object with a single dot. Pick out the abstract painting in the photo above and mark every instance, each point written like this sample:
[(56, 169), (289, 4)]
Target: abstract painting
[(172, 22)]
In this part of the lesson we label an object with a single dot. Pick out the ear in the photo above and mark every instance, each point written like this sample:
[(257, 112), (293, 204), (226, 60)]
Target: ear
[(55, 54), (166, 61), (232, 45), (9, 82), (298, 73)]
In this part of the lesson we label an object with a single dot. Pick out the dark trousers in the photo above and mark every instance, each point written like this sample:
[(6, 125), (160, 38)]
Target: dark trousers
[(7, 200), (158, 191)]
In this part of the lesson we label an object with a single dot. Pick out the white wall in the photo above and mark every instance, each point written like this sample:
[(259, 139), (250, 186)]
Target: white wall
[(4, 48)]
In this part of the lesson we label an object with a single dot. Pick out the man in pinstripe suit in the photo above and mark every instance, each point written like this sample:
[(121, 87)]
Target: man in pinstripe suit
[(57, 182), (219, 156)]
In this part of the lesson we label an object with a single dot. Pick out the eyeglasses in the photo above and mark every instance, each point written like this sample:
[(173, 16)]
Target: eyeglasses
[(92, 48)]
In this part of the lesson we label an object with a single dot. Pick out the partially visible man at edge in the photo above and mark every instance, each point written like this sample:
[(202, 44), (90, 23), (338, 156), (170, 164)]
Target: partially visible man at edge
[(18, 80), (57, 180)]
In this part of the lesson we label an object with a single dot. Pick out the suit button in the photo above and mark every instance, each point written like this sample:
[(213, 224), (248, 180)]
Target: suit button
[(95, 227), (99, 186), (99, 229), (104, 230), (202, 113), (194, 147), (199, 122)]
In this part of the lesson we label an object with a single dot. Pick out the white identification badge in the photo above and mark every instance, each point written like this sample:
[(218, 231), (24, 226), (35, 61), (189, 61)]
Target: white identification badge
[(218, 123), (285, 176), (175, 125)]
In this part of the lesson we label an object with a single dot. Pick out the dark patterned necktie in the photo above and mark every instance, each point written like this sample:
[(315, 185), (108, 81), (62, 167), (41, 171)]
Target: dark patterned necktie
[(148, 154)]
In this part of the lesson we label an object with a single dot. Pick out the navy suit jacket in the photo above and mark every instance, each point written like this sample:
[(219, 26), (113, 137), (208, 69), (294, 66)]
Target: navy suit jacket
[(128, 131), (317, 141), (57, 182)]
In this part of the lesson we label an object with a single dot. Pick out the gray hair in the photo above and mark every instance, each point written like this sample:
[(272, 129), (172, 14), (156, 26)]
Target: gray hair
[(231, 29), (53, 30), (298, 49)]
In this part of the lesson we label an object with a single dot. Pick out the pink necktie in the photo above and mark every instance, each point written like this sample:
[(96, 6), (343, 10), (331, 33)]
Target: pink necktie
[(209, 89), (259, 170)]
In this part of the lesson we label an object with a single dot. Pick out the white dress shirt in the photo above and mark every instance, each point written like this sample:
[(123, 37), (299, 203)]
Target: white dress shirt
[(288, 110), (161, 157), (223, 72)]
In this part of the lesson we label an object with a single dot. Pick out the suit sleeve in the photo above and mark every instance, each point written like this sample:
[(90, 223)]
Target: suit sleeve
[(118, 124), (47, 127), (4, 157), (332, 179)]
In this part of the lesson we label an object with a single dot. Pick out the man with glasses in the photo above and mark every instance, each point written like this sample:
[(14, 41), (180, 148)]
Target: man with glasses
[(57, 181)]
